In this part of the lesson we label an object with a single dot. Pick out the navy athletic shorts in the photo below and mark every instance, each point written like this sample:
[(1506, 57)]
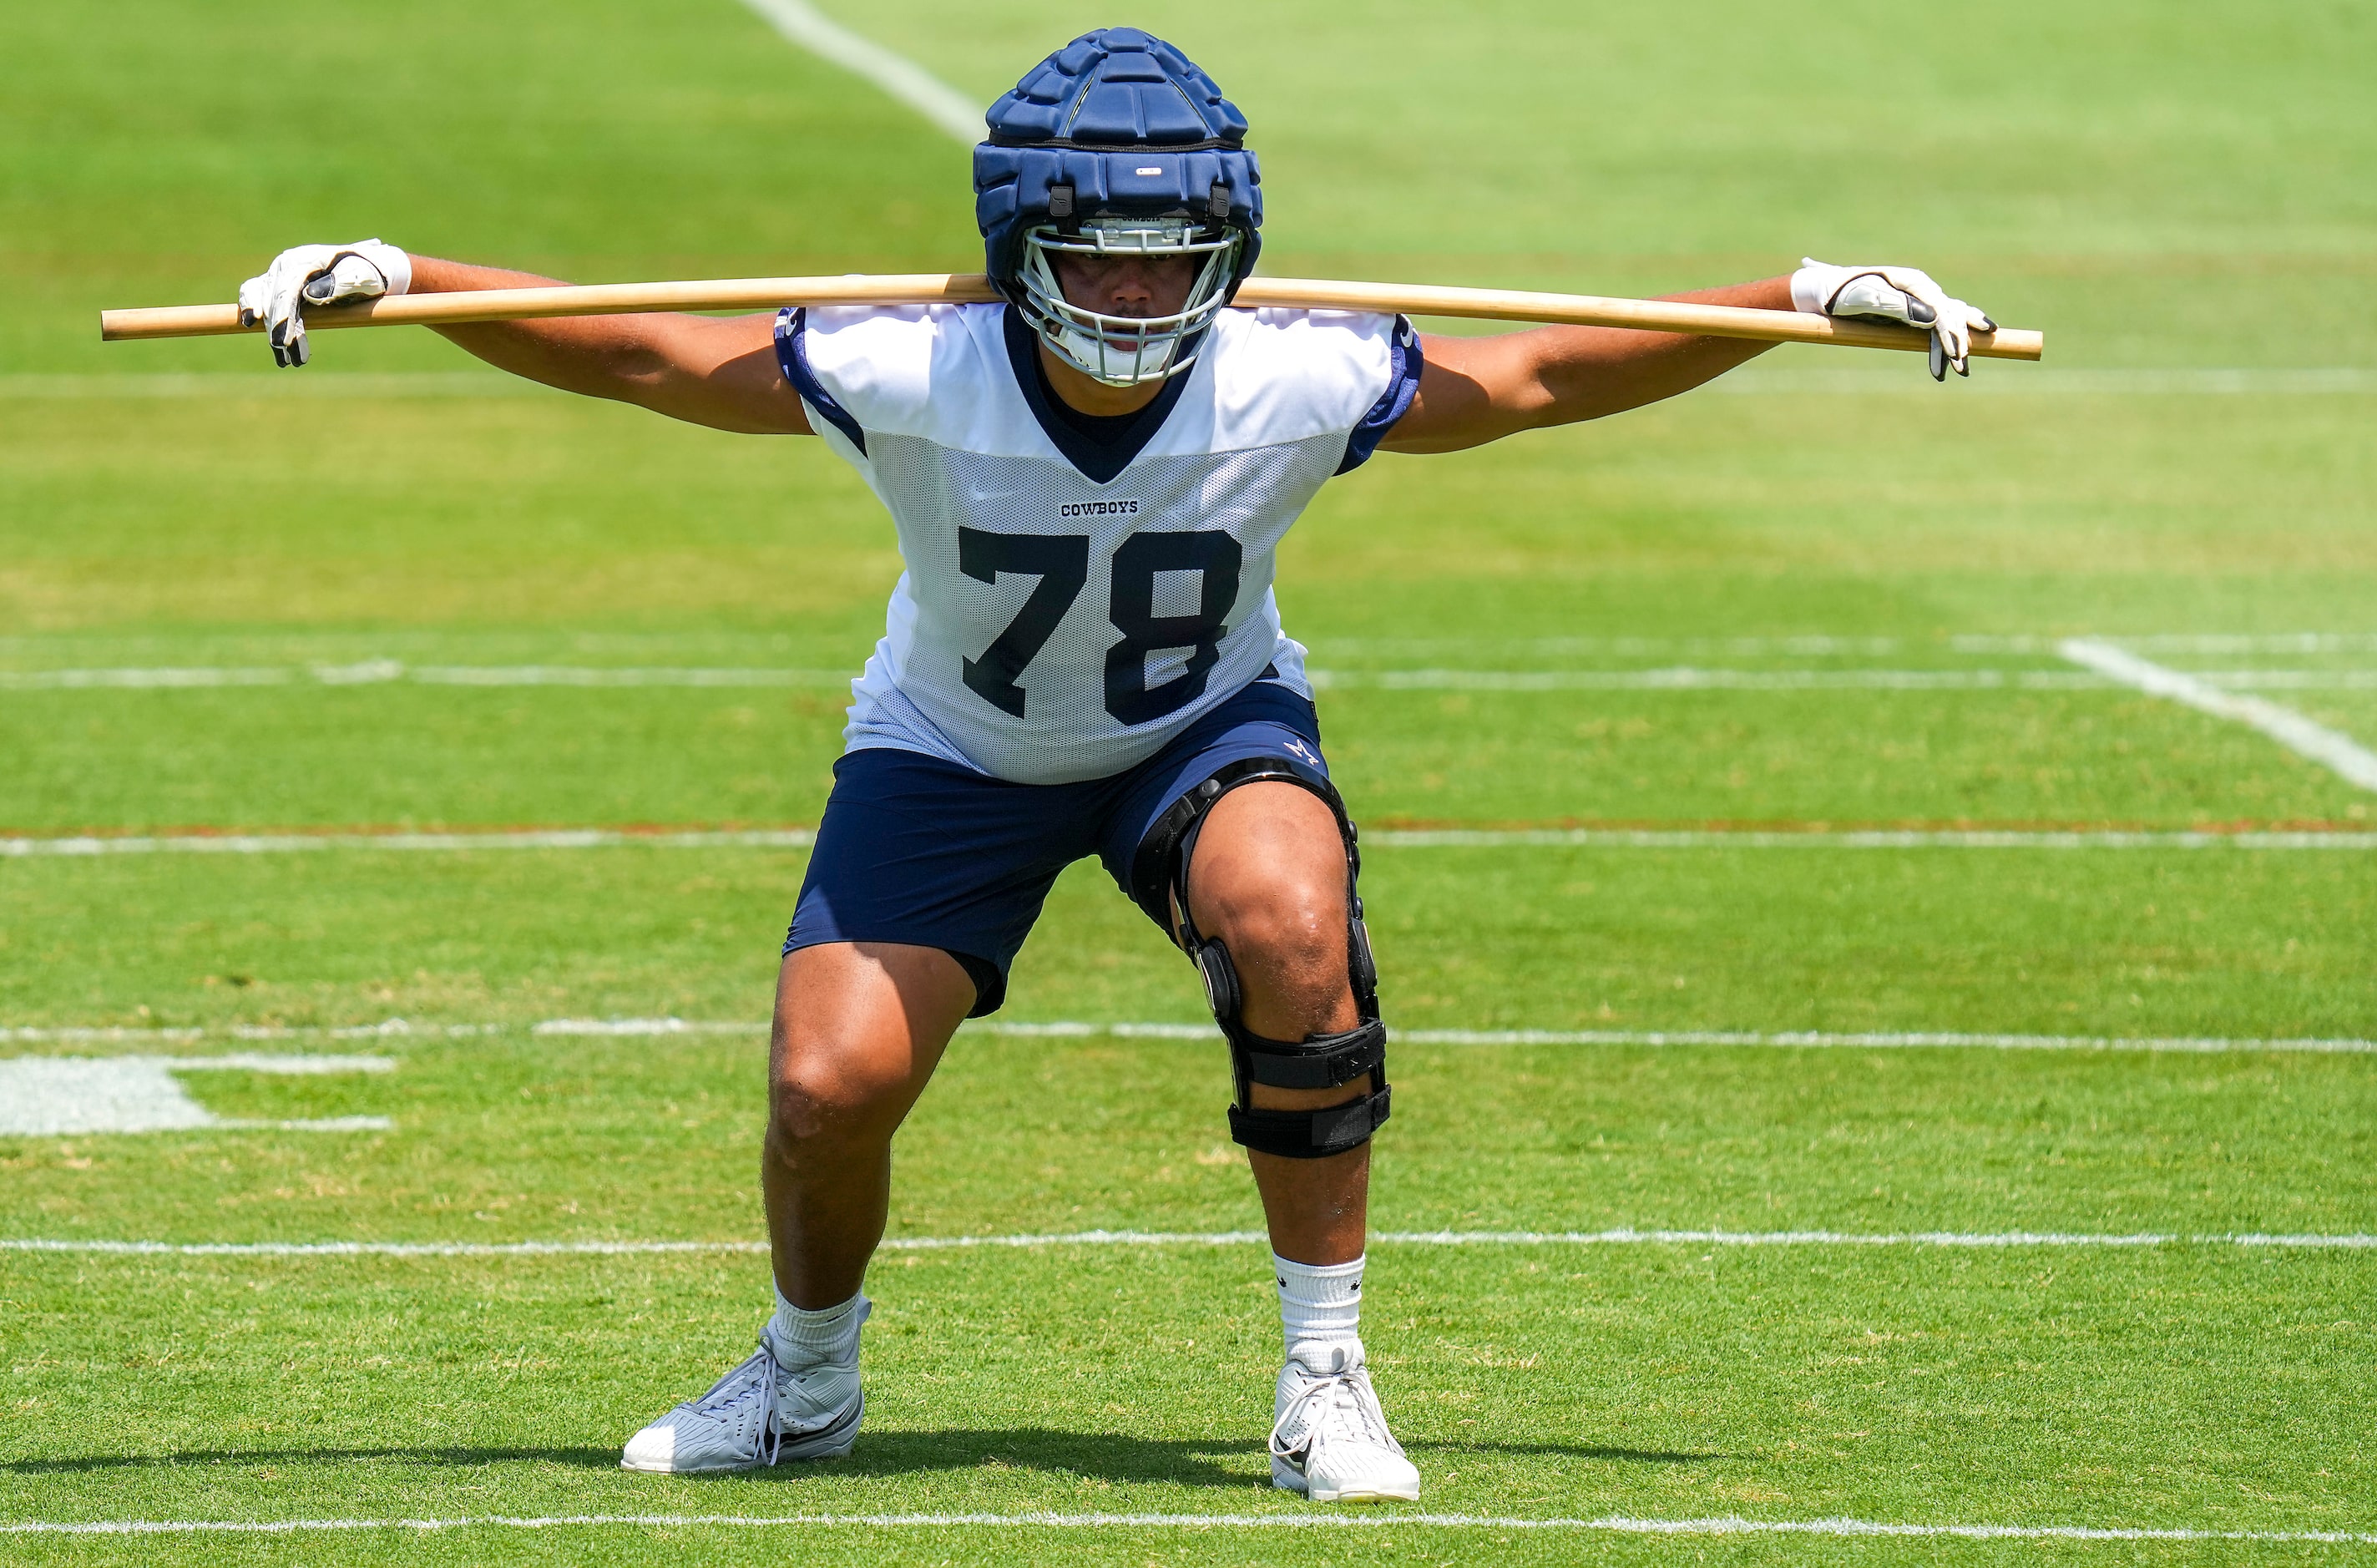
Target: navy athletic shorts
[(916, 850)]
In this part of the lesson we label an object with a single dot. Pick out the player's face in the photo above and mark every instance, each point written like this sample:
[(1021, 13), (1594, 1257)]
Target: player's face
[(1138, 287)]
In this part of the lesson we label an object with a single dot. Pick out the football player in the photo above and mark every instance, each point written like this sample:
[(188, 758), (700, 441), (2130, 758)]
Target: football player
[(1090, 481)]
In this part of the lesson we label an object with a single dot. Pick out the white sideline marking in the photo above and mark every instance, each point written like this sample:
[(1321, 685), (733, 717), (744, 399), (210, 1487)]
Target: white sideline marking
[(1622, 1237), (1613, 1524), (381, 672), (1826, 643), (944, 105), (285, 843), (390, 1028), (2185, 381), (268, 383), (140, 679), (52, 1096), (1689, 678), (2338, 752), (1398, 838), (1854, 838), (1793, 1040)]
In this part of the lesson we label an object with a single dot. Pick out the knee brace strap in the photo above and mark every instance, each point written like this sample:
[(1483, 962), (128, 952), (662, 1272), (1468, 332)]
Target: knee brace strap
[(1323, 1061), (1310, 1134)]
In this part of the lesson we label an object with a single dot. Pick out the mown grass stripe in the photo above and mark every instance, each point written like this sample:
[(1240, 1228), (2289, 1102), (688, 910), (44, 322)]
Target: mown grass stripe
[(1812, 836), (1680, 677), (1313, 1519), (2196, 380), (398, 1028), (1623, 1236)]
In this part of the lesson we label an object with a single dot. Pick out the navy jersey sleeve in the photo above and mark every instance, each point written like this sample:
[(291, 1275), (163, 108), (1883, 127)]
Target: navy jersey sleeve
[(1404, 367), (793, 357)]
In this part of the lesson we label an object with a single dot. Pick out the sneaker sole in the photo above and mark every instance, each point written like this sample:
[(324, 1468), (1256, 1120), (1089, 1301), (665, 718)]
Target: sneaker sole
[(830, 1442), (1411, 1496), (1287, 1478)]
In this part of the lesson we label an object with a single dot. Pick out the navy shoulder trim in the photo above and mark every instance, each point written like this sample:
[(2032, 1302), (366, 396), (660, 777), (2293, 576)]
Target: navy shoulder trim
[(792, 355), (1403, 366)]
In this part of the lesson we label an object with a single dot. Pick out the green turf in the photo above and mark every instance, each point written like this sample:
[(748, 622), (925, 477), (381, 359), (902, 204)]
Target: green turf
[(2155, 189)]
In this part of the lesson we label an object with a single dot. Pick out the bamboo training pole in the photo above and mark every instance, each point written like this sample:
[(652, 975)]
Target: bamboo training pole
[(959, 288)]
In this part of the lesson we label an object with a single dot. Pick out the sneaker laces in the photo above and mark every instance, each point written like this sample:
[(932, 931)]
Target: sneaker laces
[(752, 1382), (1338, 1407)]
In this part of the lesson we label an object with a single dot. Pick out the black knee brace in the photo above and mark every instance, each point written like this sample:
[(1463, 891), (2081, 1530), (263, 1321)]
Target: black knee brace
[(1160, 885)]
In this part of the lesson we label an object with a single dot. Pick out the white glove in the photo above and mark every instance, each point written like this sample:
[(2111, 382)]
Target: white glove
[(1893, 294), (317, 274)]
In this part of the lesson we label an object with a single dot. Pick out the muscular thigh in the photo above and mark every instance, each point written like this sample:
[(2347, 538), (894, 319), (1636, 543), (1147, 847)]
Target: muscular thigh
[(859, 1028)]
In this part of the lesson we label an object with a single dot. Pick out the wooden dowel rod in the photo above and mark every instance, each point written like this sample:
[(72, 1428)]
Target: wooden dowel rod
[(958, 288)]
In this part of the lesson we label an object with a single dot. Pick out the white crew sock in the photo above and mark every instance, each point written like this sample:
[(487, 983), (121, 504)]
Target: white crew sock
[(1321, 1307), (800, 1339)]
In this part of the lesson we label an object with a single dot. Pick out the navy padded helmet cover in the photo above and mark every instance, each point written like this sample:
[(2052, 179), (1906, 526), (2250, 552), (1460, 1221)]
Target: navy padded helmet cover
[(1132, 126)]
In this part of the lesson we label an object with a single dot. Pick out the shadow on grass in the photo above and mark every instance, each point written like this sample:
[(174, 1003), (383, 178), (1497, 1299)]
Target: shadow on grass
[(1105, 1456)]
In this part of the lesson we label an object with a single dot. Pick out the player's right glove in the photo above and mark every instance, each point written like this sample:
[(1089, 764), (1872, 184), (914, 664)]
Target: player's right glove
[(1893, 294), (317, 274)]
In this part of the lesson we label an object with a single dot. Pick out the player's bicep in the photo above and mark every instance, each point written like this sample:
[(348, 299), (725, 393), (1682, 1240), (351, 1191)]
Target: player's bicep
[(1473, 390)]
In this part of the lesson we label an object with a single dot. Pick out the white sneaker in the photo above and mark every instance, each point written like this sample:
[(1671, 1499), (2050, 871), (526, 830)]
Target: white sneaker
[(1329, 1439), (756, 1415)]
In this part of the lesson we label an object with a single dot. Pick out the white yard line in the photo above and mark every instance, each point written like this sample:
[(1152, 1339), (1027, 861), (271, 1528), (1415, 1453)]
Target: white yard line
[(398, 1028), (287, 843), (385, 672), (66, 1096), (1692, 678), (86, 846), (1789, 1040), (802, 23), (2184, 382), (2340, 753), (1305, 1519), (1809, 643), (1620, 1237), (1849, 838), (215, 388)]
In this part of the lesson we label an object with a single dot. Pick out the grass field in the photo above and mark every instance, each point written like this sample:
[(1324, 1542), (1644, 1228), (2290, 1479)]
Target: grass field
[(1695, 651)]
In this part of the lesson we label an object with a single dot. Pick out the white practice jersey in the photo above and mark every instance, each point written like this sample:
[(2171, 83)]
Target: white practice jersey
[(1073, 601)]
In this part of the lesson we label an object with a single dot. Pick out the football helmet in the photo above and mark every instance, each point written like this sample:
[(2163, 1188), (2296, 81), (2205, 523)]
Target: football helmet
[(1117, 146)]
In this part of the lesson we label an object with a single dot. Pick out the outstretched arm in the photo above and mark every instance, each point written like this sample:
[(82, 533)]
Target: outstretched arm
[(1480, 389), (706, 370)]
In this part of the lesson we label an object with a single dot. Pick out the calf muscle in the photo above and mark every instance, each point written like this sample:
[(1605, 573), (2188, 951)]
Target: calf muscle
[(859, 1028)]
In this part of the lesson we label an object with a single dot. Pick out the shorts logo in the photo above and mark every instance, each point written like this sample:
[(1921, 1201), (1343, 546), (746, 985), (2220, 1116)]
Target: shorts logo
[(1099, 509)]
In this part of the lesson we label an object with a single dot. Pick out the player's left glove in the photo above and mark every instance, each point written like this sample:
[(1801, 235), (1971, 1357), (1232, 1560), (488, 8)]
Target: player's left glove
[(1893, 294), (317, 274)]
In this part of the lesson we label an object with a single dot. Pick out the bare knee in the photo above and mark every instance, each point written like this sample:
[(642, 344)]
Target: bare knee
[(1269, 880), (820, 1102), (859, 1028), (1285, 933)]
